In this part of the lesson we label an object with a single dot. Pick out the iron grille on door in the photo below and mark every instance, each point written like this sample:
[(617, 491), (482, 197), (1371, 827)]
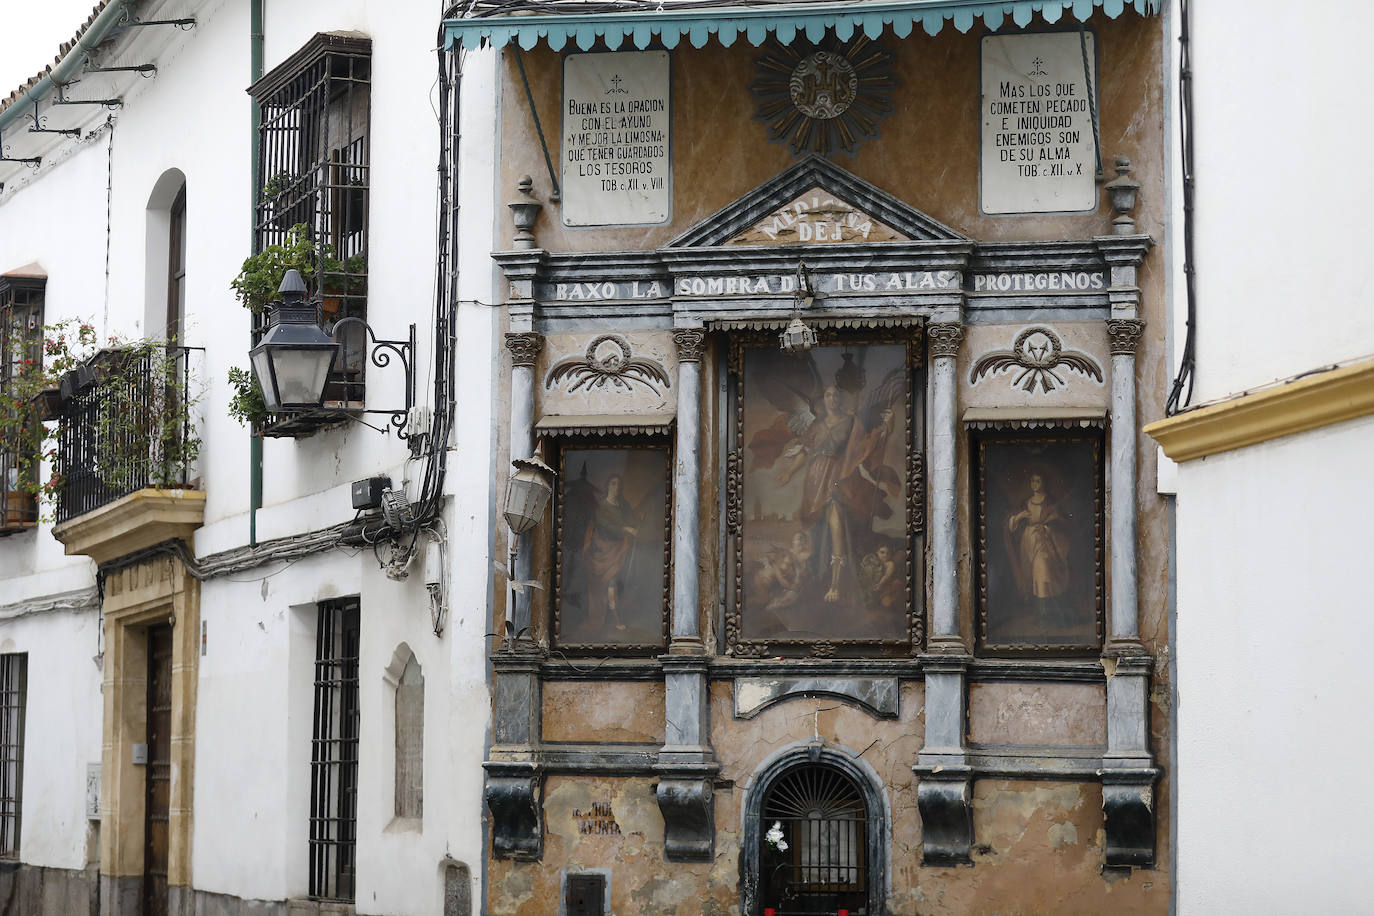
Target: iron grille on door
[(334, 753), (14, 676), (817, 859)]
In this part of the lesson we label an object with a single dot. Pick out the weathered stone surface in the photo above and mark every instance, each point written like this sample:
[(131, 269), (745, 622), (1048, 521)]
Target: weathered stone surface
[(1065, 714), (623, 711)]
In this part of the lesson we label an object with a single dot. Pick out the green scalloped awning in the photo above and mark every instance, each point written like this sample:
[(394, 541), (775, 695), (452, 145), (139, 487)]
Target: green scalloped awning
[(756, 23)]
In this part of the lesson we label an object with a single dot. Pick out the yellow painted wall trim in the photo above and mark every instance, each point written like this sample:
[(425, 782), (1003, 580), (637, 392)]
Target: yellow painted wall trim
[(1307, 403)]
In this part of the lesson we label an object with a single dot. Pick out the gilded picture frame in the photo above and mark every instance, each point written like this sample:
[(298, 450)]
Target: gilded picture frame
[(612, 547), (1038, 532), (825, 496)]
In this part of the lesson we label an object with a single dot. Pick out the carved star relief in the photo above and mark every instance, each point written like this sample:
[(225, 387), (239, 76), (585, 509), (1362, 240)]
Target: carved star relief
[(1037, 352)]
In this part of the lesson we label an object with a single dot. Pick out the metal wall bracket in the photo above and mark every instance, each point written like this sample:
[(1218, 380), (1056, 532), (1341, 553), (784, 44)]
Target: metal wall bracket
[(39, 126)]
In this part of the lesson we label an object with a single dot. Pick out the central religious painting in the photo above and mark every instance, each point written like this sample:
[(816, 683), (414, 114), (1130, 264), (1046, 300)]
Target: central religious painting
[(821, 486)]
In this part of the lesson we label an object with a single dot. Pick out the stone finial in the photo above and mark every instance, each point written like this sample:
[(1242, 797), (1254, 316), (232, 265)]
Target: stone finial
[(524, 211), (1125, 335), (1123, 190), (944, 339), (691, 343), (524, 348)]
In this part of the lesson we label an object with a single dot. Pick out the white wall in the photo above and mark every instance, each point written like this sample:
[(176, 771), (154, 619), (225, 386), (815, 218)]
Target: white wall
[(1282, 197), (62, 731), (1274, 623)]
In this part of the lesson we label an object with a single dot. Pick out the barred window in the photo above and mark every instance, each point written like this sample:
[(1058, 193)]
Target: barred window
[(21, 344), (14, 669), (334, 753), (313, 174)]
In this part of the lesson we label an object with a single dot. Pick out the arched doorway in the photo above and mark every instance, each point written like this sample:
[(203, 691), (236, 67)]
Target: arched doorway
[(814, 838)]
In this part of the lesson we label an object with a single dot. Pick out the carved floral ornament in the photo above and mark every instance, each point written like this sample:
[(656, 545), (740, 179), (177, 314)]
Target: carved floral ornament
[(944, 339), (524, 348), (608, 360), (1037, 352), (1125, 335), (690, 343)]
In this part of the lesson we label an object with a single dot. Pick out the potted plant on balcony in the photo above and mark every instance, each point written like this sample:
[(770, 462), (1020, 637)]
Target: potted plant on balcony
[(288, 201), (146, 429), (31, 396), (246, 404)]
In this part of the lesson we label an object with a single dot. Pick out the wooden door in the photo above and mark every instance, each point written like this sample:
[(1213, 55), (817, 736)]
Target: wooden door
[(158, 772)]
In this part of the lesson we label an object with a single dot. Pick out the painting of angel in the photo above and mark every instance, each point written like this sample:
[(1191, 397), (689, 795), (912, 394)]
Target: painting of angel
[(824, 533), (1039, 551), (612, 551)]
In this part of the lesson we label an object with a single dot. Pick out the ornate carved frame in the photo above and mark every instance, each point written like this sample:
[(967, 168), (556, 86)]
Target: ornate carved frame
[(735, 645), (650, 440), (980, 439)]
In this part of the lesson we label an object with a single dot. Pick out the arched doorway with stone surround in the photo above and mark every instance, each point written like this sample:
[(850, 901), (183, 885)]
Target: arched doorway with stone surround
[(815, 836)]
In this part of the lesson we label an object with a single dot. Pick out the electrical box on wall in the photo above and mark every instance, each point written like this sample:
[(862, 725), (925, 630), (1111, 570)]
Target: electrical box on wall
[(367, 493), (139, 755)]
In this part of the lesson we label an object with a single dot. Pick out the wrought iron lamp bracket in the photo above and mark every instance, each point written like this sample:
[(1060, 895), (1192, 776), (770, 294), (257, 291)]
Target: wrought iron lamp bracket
[(381, 356)]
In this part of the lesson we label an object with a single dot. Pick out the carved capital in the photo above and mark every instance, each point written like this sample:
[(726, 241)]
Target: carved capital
[(690, 343), (945, 800), (688, 819), (944, 339), (1125, 335), (1128, 813), (516, 802), (524, 347)]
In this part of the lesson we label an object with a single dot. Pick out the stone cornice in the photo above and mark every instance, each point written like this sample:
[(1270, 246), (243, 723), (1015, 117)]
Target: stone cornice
[(131, 523), (1308, 403)]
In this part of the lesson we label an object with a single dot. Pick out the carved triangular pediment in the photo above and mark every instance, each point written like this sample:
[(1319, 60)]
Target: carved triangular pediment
[(814, 202)]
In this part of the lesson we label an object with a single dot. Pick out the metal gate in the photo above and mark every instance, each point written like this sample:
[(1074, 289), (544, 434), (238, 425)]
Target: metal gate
[(813, 852)]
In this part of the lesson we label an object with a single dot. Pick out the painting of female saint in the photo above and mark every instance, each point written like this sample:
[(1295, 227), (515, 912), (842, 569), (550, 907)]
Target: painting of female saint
[(612, 551), (1040, 567), (824, 542)]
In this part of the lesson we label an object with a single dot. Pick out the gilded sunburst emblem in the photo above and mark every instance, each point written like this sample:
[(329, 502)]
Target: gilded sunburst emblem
[(823, 98)]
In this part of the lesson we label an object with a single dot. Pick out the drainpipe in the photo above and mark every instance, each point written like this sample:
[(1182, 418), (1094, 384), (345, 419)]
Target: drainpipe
[(255, 440)]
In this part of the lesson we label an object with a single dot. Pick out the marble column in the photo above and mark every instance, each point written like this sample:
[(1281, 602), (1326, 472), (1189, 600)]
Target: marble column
[(515, 780), (944, 520), (686, 762), (524, 348), (944, 794), (1125, 629)]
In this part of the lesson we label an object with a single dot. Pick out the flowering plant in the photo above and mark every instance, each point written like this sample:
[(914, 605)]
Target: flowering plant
[(33, 365), (774, 837)]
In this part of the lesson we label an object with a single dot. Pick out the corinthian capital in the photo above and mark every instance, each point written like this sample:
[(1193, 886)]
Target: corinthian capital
[(1125, 335), (690, 343), (524, 348), (944, 339)]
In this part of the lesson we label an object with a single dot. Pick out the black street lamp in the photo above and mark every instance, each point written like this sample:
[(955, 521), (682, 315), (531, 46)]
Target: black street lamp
[(295, 357)]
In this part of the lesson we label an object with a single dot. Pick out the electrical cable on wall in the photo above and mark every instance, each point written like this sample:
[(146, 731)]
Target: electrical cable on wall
[(1181, 391)]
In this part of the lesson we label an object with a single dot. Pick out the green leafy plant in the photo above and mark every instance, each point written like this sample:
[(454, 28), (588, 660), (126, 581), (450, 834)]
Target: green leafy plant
[(145, 418), (277, 184), (246, 404), (261, 273), (24, 435)]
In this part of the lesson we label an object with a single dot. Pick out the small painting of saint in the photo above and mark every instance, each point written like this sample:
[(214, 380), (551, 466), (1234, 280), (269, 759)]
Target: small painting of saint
[(824, 551), (611, 585), (1039, 551)]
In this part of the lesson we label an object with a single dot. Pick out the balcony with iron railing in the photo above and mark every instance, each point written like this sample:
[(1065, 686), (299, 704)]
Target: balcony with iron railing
[(126, 450)]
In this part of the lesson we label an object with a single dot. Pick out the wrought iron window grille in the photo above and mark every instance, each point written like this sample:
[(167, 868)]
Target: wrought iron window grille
[(334, 753), (313, 172), (14, 669), (813, 857), (21, 338)]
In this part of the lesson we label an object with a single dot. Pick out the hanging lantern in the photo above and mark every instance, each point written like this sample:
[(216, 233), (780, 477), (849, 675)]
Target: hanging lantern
[(797, 337), (527, 493)]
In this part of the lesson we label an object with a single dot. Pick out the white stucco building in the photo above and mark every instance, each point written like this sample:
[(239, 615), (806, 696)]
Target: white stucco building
[(317, 725), (1274, 492)]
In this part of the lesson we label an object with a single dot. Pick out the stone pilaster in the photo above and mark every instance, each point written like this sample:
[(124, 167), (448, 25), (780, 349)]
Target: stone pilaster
[(943, 522), (524, 349), (687, 763)]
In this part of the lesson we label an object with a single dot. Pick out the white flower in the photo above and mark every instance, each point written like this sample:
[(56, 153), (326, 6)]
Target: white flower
[(774, 837)]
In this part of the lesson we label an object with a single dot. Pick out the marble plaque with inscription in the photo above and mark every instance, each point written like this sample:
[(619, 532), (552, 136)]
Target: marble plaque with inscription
[(1038, 149), (616, 139)]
